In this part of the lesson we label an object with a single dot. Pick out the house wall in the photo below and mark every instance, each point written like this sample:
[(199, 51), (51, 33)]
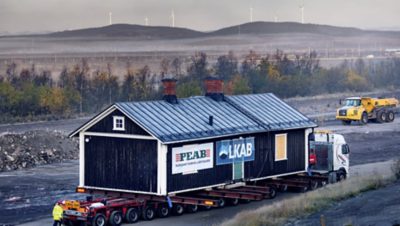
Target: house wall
[(263, 165)]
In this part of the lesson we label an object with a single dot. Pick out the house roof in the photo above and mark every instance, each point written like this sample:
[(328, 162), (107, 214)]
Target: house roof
[(189, 119)]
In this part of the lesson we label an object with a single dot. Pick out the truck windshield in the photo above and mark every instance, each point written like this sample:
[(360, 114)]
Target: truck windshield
[(352, 102)]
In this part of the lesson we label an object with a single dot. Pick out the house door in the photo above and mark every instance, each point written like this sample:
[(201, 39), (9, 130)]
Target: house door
[(238, 170)]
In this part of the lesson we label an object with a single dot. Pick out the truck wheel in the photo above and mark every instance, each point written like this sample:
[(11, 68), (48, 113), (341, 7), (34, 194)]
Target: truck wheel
[(390, 116), (149, 213), (163, 211), (115, 218), (283, 188), (346, 122), (99, 220), (192, 208), (272, 192), (233, 202), (313, 185), (221, 203), (364, 118), (206, 207), (381, 117), (178, 209), (341, 175), (132, 215)]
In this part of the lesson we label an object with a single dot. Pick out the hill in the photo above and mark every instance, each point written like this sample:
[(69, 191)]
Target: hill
[(130, 31)]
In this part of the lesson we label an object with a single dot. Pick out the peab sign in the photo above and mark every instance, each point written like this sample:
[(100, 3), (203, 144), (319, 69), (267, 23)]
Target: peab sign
[(237, 150), (192, 158)]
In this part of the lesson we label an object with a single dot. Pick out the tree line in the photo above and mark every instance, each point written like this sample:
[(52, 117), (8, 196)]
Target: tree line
[(28, 92)]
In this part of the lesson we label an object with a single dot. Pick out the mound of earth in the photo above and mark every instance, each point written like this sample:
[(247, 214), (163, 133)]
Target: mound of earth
[(18, 151)]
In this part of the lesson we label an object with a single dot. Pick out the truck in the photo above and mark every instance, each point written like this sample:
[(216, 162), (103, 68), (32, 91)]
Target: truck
[(365, 109), (328, 162)]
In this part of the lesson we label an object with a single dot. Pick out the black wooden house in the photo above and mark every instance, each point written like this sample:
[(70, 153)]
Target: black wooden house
[(176, 145)]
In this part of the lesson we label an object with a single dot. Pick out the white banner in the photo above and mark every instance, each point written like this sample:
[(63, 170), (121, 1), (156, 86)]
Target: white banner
[(192, 158)]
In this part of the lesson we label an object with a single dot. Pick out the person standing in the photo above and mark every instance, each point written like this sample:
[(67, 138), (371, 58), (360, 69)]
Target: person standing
[(57, 214)]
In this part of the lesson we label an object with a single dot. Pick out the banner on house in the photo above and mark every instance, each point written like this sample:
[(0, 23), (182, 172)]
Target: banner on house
[(191, 158), (237, 150)]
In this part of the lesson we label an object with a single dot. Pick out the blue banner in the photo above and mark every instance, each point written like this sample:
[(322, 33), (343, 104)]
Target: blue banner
[(237, 150)]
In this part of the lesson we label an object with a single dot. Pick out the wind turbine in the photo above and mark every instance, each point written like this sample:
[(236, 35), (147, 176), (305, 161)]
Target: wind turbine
[(172, 18), (251, 14), (301, 7), (110, 17), (276, 17), (146, 21)]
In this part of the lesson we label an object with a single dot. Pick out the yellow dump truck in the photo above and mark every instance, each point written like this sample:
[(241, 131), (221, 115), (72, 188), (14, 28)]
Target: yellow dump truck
[(363, 109)]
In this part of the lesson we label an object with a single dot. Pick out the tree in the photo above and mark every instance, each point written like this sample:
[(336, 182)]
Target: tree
[(238, 85), (164, 67), (226, 66), (177, 67), (188, 89), (198, 67)]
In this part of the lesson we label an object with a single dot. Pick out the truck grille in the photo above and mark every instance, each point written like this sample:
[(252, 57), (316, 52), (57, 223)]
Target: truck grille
[(342, 112)]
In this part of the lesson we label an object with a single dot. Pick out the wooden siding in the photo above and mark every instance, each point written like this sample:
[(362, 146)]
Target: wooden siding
[(263, 165), (106, 125), (121, 163)]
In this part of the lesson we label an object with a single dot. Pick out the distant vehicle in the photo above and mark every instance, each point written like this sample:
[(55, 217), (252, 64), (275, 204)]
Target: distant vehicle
[(370, 56), (363, 109)]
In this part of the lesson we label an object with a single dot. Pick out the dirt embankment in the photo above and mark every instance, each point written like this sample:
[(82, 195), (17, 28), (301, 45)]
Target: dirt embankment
[(29, 149)]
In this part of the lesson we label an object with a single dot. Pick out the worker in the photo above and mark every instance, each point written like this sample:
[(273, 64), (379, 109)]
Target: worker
[(57, 214)]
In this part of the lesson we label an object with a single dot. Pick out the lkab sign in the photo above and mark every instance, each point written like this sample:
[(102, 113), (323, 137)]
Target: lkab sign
[(237, 150)]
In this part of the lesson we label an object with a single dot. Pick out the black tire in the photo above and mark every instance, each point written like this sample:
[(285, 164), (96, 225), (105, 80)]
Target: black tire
[(221, 203), (233, 202), (364, 118), (313, 185), (341, 175), (272, 192), (303, 189), (192, 208), (99, 220), (346, 122), (390, 116), (115, 218), (206, 208), (178, 209), (381, 116), (245, 201), (163, 211), (132, 215), (283, 188), (149, 213)]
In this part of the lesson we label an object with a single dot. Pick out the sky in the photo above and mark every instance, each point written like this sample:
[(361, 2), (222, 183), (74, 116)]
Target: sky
[(56, 15)]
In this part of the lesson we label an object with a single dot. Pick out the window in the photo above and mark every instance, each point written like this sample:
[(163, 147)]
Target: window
[(280, 147), (119, 123)]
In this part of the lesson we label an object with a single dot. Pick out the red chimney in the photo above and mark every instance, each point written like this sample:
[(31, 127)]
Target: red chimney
[(170, 90), (214, 88)]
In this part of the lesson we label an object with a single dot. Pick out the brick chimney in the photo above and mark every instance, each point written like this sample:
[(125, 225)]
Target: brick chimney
[(214, 88), (170, 90)]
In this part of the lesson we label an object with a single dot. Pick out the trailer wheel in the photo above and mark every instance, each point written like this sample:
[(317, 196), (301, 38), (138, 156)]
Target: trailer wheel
[(283, 188), (390, 116), (272, 192), (221, 203), (132, 215), (149, 213), (313, 185), (381, 116), (233, 202), (206, 208), (99, 220), (115, 218), (346, 122), (192, 208), (163, 211), (178, 209), (364, 118)]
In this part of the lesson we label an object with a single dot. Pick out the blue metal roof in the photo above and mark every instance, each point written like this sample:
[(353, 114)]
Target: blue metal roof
[(188, 120)]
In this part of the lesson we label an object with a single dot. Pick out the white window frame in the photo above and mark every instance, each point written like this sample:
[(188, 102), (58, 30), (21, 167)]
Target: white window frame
[(115, 120), (276, 136)]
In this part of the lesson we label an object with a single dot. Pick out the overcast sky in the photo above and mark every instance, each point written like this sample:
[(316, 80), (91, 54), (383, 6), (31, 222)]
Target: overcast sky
[(56, 15)]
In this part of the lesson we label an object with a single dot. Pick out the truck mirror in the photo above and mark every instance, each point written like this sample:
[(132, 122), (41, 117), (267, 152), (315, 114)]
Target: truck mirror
[(345, 149)]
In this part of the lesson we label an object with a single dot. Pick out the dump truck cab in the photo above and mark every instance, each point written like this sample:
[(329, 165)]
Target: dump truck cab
[(363, 109), (329, 154)]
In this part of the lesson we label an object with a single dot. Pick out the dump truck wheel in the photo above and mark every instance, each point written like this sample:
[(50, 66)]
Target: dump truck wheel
[(364, 118), (221, 203), (178, 209), (99, 220), (272, 192), (149, 213), (206, 207), (381, 117), (116, 218), (341, 175), (346, 122), (192, 208), (233, 202), (313, 185), (390, 116), (163, 211), (132, 215)]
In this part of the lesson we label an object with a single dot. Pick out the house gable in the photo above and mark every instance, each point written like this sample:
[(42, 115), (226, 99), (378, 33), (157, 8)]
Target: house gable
[(106, 125)]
